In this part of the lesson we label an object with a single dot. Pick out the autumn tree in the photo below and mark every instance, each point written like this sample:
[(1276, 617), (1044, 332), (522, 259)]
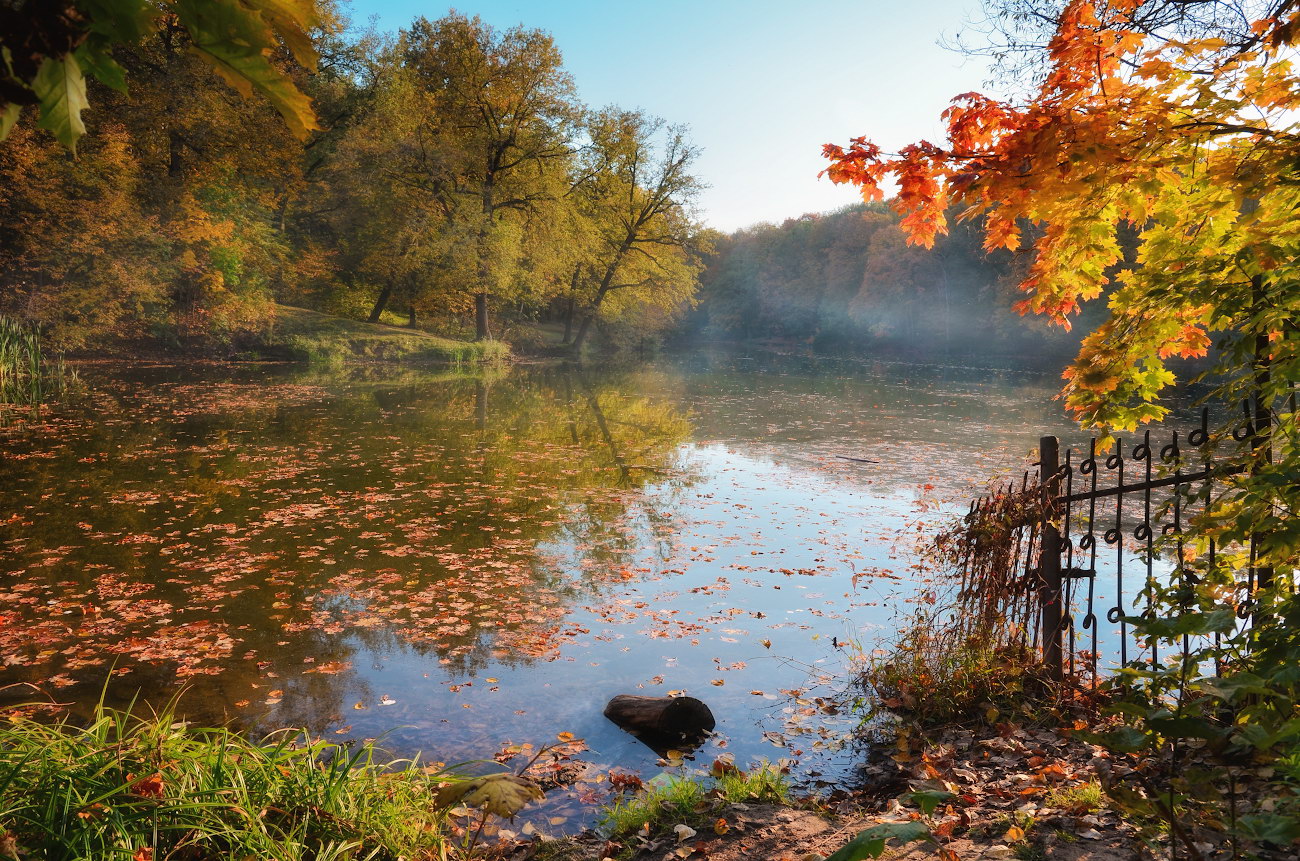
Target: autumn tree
[(636, 197), (78, 256), (47, 48), (502, 124), (1176, 122)]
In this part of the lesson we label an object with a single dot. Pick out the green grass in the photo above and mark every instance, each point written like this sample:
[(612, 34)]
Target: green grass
[(676, 800), (144, 789), (324, 339), (1080, 798)]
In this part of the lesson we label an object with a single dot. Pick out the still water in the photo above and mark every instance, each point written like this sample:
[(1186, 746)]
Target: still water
[(458, 562)]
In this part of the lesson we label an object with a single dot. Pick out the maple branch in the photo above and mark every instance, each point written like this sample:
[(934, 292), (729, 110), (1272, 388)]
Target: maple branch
[(1221, 128)]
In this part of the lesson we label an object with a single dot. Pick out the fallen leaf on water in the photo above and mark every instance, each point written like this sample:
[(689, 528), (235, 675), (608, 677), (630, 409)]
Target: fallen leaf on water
[(502, 794)]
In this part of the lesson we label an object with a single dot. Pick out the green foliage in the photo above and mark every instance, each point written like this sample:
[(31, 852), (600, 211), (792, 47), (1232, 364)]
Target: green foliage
[(27, 375), (123, 786), (1079, 798), (61, 90), (871, 842), (322, 339), (42, 60), (671, 800), (1196, 730), (662, 804)]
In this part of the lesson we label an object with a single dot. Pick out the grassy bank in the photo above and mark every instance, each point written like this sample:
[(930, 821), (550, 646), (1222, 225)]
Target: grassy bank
[(304, 335), (148, 789)]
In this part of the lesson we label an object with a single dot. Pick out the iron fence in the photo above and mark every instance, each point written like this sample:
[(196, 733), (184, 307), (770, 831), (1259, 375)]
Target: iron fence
[(1107, 540)]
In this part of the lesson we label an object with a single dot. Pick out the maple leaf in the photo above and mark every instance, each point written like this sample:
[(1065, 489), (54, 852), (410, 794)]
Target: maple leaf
[(501, 794)]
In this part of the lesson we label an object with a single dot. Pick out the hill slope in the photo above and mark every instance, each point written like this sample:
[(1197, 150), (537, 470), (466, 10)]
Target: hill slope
[(312, 336)]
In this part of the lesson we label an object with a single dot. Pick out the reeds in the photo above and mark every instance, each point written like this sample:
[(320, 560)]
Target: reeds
[(969, 655), (152, 788), (28, 377)]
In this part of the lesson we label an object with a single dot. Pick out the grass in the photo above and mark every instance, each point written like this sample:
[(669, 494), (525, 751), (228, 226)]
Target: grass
[(324, 339), (144, 789), (27, 376), (675, 800), (1080, 798)]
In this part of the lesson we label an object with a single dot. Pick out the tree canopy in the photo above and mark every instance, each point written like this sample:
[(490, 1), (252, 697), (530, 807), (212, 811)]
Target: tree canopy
[(1187, 139), (47, 48), (432, 173)]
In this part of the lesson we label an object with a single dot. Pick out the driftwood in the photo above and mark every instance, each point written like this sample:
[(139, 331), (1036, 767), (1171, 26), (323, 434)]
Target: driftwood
[(661, 721)]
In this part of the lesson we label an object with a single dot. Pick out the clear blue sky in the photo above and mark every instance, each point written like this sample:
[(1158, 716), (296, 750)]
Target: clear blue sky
[(761, 83)]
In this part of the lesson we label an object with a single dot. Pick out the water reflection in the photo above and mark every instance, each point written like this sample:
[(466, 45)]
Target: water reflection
[(459, 561), (202, 528)]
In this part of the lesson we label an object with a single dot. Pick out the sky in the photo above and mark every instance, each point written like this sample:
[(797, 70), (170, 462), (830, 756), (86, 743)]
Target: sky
[(762, 84)]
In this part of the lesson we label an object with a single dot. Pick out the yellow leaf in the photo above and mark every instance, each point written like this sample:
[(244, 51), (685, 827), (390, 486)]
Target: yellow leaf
[(502, 794)]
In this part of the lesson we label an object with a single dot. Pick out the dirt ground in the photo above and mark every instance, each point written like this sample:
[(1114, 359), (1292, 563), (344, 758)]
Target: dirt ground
[(1015, 793)]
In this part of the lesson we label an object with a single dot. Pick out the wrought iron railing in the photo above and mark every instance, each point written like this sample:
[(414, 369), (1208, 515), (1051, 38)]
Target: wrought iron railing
[(1107, 537)]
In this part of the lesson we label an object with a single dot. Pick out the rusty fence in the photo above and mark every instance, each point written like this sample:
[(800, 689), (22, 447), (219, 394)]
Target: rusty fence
[(1106, 540)]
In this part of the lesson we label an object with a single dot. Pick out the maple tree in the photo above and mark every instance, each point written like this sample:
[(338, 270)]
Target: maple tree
[(1188, 141), (1181, 130)]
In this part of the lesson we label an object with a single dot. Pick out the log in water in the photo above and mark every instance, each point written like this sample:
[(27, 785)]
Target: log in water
[(660, 716)]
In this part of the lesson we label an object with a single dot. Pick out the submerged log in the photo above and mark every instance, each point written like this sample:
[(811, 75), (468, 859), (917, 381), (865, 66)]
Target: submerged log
[(660, 716)]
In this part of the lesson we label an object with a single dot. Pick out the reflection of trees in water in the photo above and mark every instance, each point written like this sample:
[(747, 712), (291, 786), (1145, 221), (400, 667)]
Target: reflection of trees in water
[(313, 526)]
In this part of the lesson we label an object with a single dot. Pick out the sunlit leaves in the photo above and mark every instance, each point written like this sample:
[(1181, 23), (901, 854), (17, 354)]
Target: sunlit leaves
[(61, 91), (1120, 135), (238, 38), (238, 44)]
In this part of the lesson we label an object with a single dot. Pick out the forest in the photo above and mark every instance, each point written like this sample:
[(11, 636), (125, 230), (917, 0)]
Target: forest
[(849, 280), (448, 175), (450, 180)]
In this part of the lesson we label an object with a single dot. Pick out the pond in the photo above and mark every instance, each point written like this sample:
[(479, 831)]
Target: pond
[(457, 562)]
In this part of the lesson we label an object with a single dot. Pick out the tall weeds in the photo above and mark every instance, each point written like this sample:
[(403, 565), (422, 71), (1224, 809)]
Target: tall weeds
[(968, 654), (151, 788), (27, 377)]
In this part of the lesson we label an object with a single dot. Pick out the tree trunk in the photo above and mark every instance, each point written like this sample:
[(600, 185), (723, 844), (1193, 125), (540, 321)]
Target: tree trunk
[(481, 332), (174, 154), (568, 320), (605, 283), (573, 305), (381, 303), (410, 316), (663, 716)]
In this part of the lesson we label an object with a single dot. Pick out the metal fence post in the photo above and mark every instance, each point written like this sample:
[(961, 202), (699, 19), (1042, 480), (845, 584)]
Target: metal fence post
[(1049, 560)]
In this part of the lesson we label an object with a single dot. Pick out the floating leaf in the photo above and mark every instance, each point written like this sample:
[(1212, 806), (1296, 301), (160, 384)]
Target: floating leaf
[(501, 794)]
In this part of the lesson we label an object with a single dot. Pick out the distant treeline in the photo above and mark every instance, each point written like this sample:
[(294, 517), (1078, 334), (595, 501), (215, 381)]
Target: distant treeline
[(456, 182), (848, 280)]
